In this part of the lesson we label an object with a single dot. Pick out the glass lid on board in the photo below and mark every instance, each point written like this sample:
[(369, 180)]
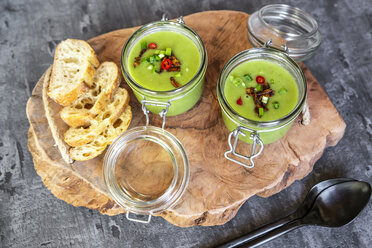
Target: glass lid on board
[(290, 29)]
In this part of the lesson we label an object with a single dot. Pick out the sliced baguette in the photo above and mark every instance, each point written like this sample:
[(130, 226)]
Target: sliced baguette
[(73, 71), (105, 83), (62, 147), (81, 136), (99, 144)]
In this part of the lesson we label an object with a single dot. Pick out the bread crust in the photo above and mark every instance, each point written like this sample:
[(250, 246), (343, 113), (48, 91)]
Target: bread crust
[(74, 72)]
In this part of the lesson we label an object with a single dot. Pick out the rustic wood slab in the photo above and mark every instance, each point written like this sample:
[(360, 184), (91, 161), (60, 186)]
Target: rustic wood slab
[(217, 187)]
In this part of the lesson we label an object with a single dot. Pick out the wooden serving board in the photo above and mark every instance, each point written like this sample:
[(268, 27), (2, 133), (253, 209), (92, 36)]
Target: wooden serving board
[(217, 187)]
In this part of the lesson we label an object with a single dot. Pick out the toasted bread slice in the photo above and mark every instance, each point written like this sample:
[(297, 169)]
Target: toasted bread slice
[(81, 136), (99, 144), (105, 83), (73, 71), (62, 147)]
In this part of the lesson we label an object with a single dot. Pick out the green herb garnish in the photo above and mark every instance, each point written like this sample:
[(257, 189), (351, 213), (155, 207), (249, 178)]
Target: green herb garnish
[(144, 45), (258, 87), (260, 111), (238, 81), (157, 51), (168, 51), (276, 105), (157, 58), (282, 91), (248, 77), (265, 99), (178, 75)]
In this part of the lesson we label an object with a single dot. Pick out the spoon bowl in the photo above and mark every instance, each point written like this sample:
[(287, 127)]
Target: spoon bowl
[(339, 204)]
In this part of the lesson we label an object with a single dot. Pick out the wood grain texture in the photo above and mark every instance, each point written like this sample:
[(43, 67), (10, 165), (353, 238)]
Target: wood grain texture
[(217, 187)]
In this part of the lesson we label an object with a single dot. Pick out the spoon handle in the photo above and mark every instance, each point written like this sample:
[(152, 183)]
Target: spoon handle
[(258, 232), (270, 235)]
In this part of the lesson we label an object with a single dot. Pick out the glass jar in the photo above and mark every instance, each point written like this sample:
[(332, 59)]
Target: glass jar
[(146, 171), (180, 99), (258, 132), (283, 35)]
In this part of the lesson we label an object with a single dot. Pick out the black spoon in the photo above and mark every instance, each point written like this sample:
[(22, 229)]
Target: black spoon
[(301, 211), (331, 203)]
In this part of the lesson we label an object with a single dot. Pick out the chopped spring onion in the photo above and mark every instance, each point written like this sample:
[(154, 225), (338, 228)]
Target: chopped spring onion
[(150, 67), (282, 91), (178, 75), (260, 111), (161, 55), (154, 70), (276, 105), (157, 51), (248, 77), (231, 78), (259, 87), (157, 58), (237, 81), (162, 52), (168, 51), (144, 60), (152, 59), (144, 45), (265, 99)]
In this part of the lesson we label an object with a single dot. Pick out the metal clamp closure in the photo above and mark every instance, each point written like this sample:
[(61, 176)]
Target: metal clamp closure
[(164, 17), (138, 220), (180, 20), (269, 44), (163, 112), (256, 141)]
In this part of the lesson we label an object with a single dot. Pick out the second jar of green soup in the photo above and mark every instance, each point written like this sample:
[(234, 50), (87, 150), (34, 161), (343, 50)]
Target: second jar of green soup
[(262, 90), (164, 63)]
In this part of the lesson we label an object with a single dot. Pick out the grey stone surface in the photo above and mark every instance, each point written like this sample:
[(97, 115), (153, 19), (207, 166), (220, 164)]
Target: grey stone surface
[(30, 216)]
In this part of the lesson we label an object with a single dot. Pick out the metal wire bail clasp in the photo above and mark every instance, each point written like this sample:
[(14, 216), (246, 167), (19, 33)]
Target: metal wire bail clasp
[(256, 140), (138, 220), (269, 44), (163, 112), (180, 20), (164, 17)]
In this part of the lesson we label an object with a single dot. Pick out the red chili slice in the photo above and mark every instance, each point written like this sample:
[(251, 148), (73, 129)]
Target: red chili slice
[(260, 79), (239, 101), (166, 64), (152, 46)]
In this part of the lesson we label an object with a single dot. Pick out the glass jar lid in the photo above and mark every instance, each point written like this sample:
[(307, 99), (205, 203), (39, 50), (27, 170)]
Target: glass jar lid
[(290, 29), (146, 170)]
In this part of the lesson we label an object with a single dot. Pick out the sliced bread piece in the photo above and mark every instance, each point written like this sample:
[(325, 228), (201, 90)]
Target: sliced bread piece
[(80, 136), (73, 71), (99, 144), (105, 83), (62, 146)]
